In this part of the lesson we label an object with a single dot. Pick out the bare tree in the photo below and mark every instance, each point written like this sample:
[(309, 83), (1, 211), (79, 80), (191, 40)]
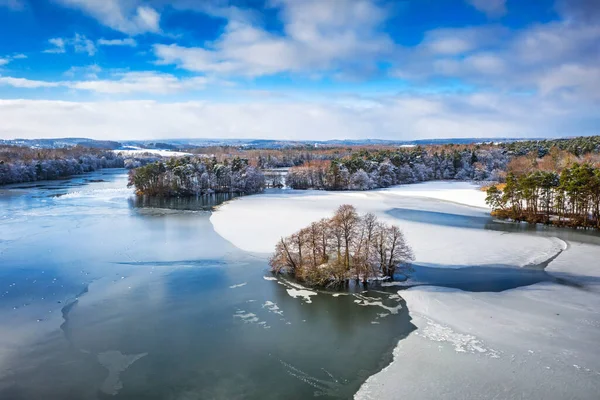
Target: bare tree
[(376, 249)]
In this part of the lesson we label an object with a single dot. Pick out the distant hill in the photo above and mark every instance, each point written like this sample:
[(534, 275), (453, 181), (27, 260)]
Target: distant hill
[(62, 143), (178, 144)]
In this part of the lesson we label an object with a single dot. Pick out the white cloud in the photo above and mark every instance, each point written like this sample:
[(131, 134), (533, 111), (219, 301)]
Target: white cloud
[(87, 71), (550, 57), (457, 41), (80, 44), (397, 117), (59, 46), (7, 59), (492, 8), (125, 16), (319, 36), (141, 82), (117, 42), (26, 83), (123, 83), (571, 77)]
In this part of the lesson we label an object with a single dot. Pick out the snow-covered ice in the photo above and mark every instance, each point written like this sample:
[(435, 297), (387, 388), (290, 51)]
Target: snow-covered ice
[(520, 343), (538, 341), (255, 223)]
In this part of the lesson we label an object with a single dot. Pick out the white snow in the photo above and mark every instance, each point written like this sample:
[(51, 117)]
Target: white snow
[(162, 153), (305, 294), (272, 307), (255, 223), (466, 193), (530, 337), (371, 301)]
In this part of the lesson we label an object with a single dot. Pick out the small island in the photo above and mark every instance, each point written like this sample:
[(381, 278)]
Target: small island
[(196, 176), (347, 246)]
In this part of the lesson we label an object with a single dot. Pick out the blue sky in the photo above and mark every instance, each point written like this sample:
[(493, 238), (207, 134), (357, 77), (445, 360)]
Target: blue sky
[(299, 69)]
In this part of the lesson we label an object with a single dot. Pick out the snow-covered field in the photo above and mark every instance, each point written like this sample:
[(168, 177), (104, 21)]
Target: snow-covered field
[(162, 153), (539, 341)]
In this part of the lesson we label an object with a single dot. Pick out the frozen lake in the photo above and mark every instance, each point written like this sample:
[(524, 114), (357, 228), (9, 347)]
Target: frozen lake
[(108, 296), (105, 296)]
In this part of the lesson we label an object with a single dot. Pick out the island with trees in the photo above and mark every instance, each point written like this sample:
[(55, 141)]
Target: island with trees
[(333, 251), (196, 176)]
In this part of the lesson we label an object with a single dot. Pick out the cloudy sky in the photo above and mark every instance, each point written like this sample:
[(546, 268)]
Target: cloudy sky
[(299, 69)]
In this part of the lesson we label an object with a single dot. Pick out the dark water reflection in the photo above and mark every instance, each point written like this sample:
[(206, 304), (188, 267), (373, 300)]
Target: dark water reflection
[(206, 202)]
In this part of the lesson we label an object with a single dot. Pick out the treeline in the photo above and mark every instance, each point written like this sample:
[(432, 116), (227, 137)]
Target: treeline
[(266, 158), (24, 164), (558, 189), (577, 146), (195, 176), (369, 169), (347, 246)]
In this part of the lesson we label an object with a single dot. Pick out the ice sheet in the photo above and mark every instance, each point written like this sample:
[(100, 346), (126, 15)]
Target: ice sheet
[(539, 341), (256, 223)]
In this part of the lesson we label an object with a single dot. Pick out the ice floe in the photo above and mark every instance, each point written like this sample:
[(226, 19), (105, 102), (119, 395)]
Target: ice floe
[(374, 301)]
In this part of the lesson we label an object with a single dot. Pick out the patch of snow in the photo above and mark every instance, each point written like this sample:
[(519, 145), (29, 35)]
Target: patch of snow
[(466, 193), (373, 301), (305, 294), (158, 152), (272, 307), (246, 317)]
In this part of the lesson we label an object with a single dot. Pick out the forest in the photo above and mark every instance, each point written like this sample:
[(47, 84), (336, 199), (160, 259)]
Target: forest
[(196, 176), (24, 164), (559, 188), (347, 246), (367, 169)]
